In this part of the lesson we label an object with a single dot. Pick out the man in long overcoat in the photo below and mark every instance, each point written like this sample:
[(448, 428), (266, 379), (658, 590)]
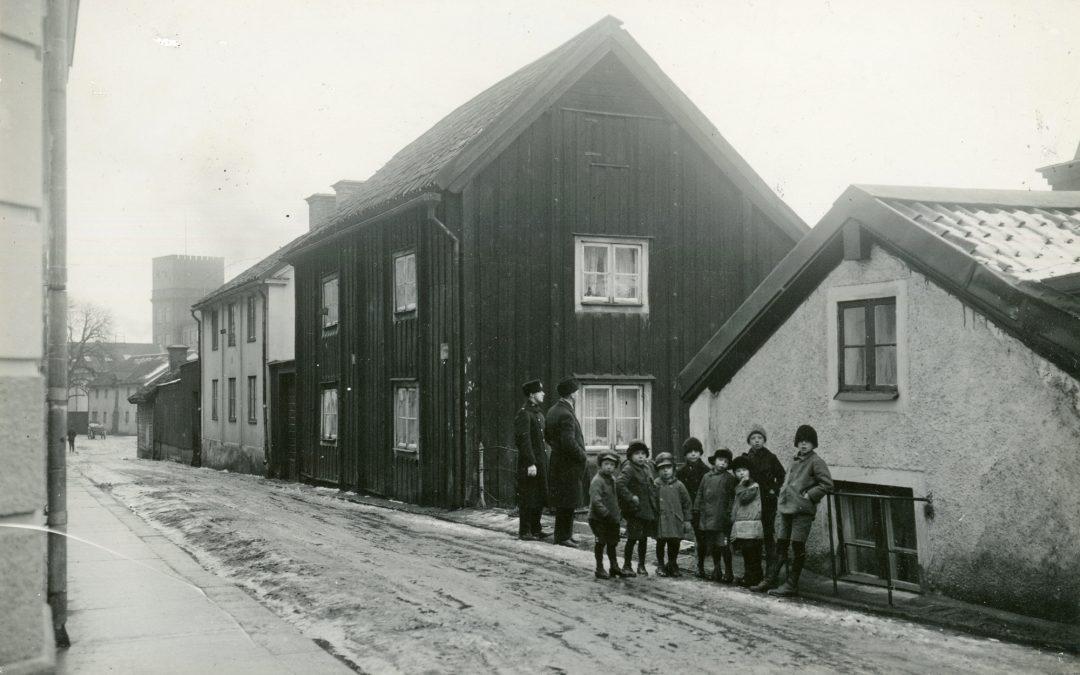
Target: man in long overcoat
[(532, 461), (567, 468)]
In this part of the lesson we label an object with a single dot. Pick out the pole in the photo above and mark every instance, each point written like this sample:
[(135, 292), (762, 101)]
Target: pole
[(56, 62), (482, 504), (832, 550)]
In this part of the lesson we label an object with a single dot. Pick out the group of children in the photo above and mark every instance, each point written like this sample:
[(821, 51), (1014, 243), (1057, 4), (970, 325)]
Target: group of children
[(719, 505)]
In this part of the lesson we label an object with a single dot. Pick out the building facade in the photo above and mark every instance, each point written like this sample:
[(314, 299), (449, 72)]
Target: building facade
[(246, 325), (178, 282), (108, 393), (167, 410), (920, 333), (574, 218)]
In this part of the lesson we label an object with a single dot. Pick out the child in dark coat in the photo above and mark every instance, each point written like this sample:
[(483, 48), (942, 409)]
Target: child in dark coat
[(637, 499), (714, 500), (604, 515), (746, 530), (690, 475), (673, 516)]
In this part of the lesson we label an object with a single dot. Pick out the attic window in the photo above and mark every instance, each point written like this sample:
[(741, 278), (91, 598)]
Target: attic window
[(405, 283), (867, 343), (611, 274), (329, 302)]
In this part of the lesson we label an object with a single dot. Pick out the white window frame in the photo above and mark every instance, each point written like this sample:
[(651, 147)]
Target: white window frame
[(407, 425), (834, 296), (252, 399), (214, 393), (610, 303), (329, 413), (231, 384), (402, 302), (644, 402), (330, 306)]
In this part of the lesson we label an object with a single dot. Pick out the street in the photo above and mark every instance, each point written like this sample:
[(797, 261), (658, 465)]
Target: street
[(392, 591)]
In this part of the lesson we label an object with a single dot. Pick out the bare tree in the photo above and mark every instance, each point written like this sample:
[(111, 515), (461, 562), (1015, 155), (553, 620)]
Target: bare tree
[(90, 326)]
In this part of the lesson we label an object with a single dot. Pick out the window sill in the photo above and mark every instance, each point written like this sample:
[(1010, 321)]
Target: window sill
[(253, 422), (328, 442), (407, 452), (867, 396), (404, 314)]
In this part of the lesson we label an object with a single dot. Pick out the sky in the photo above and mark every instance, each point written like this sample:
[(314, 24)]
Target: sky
[(199, 126)]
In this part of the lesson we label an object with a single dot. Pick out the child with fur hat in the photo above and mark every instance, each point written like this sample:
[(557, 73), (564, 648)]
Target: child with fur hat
[(714, 501), (673, 516), (690, 474), (604, 515), (746, 529), (808, 481), (637, 499)]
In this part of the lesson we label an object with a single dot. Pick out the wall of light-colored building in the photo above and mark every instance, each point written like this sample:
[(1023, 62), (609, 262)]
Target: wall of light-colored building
[(26, 644), (281, 319), (109, 406), (983, 425)]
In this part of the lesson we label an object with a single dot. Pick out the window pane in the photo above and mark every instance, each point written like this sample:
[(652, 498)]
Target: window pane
[(907, 567), (596, 259), (854, 325), (862, 518), (903, 523), (626, 260), (885, 365), (596, 410), (855, 366), (627, 430), (627, 402), (596, 285), (626, 286), (885, 324)]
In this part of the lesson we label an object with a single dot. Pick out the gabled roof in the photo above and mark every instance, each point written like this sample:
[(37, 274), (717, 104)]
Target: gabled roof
[(991, 248), (133, 370), (161, 377), (446, 156), (260, 271)]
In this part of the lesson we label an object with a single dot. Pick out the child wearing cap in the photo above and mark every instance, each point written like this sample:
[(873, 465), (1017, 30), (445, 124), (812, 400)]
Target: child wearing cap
[(690, 474), (767, 471), (604, 515), (746, 530), (673, 516), (637, 500), (714, 500)]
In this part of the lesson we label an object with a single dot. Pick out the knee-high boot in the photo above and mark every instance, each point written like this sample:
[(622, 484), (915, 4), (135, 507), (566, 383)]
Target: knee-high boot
[(791, 584), (772, 576)]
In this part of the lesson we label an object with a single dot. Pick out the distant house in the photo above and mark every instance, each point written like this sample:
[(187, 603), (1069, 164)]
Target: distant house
[(91, 360), (246, 328), (932, 336), (580, 216), (168, 410), (107, 394)]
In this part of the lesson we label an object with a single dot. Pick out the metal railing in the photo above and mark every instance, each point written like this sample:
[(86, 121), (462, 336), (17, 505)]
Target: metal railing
[(883, 547)]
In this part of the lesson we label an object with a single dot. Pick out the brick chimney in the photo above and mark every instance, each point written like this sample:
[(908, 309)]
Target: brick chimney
[(1063, 176), (177, 356), (321, 209), (344, 189)]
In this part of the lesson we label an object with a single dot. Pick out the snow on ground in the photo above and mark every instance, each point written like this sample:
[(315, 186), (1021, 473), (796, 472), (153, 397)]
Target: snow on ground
[(399, 592)]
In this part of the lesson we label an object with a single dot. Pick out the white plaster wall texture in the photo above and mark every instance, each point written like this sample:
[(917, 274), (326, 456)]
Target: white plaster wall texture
[(281, 322), (994, 428)]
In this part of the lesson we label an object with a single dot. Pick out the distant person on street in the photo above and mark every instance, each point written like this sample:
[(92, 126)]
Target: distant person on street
[(71, 439), (808, 481), (690, 474), (637, 499), (767, 471), (714, 500), (568, 458), (604, 516), (673, 516), (532, 461)]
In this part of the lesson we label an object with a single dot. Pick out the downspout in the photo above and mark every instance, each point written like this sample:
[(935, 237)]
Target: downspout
[(56, 63), (460, 339), (196, 444), (265, 373)]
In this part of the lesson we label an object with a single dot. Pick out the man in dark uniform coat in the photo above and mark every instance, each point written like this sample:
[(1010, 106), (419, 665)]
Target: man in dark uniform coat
[(532, 461), (567, 469)]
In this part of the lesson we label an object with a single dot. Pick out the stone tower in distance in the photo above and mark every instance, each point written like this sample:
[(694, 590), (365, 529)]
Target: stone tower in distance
[(179, 281)]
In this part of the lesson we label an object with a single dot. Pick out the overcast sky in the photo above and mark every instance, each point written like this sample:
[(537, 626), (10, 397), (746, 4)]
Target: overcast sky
[(199, 126)]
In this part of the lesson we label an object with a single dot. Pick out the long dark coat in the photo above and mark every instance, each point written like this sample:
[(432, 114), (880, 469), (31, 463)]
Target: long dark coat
[(675, 506), (566, 471), (529, 439), (637, 481), (715, 497)]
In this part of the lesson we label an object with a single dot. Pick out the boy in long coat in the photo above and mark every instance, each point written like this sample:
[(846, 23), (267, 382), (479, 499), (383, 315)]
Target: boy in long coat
[(566, 470), (714, 500), (604, 515), (637, 499), (690, 475), (673, 515), (532, 461)]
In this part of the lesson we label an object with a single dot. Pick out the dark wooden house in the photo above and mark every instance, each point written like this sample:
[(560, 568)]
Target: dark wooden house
[(168, 411), (580, 217)]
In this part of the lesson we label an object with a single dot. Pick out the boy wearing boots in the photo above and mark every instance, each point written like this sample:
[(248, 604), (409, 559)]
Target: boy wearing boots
[(767, 471), (690, 475), (604, 515), (673, 516), (807, 481), (714, 500), (637, 500), (746, 530)]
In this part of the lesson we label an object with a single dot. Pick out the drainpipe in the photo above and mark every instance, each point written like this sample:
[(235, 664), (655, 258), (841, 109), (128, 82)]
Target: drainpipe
[(55, 62), (264, 371), (460, 340), (196, 457)]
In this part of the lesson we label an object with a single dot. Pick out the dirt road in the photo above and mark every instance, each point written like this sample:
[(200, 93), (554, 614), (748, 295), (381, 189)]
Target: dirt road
[(398, 592)]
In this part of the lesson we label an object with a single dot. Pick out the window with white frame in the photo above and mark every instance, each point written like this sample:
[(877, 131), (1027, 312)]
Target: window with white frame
[(214, 330), (612, 273), (330, 302), (232, 399), (612, 415), (404, 283), (252, 400), (214, 399), (232, 324), (867, 343), (250, 319), (407, 417), (328, 426)]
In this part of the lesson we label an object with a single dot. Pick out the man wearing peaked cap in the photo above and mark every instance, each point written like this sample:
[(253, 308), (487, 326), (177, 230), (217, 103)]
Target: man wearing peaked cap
[(567, 468), (532, 471)]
